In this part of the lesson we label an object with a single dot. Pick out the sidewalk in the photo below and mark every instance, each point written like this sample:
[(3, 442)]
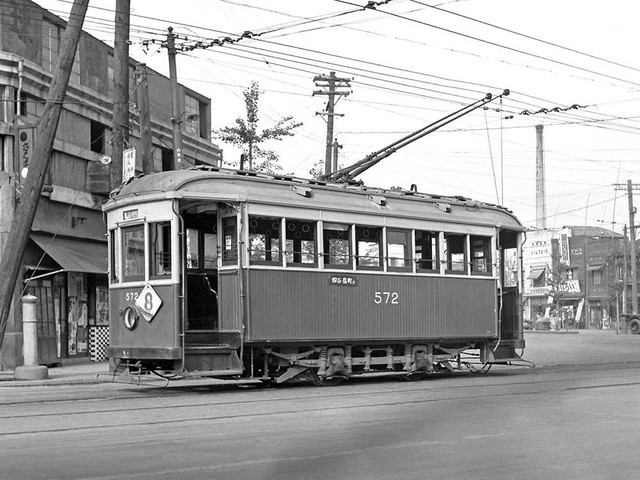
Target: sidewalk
[(81, 373)]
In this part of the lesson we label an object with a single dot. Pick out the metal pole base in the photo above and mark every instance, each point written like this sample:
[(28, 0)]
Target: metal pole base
[(31, 372)]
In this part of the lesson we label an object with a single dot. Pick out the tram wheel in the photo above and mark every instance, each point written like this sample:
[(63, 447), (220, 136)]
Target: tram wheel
[(324, 381), (634, 326)]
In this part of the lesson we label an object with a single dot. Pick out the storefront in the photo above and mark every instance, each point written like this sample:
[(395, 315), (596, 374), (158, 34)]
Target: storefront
[(70, 283)]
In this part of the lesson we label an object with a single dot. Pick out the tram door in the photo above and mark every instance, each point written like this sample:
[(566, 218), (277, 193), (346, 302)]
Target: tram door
[(510, 311), (201, 247)]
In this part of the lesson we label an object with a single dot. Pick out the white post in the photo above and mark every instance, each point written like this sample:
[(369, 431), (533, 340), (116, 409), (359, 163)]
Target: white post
[(30, 370)]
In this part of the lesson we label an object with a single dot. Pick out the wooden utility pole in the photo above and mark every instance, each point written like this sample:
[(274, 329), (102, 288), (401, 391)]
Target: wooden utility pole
[(625, 272), (11, 261), (146, 144), (120, 118), (176, 115), (630, 187), (331, 84)]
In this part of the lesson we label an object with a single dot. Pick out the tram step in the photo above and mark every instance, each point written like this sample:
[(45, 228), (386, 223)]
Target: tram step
[(206, 358), (207, 349)]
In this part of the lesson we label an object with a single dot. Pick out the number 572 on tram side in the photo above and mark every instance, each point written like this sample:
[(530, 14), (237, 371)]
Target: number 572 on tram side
[(226, 274)]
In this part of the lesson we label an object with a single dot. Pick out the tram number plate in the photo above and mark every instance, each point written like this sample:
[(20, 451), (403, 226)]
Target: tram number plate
[(388, 298), (148, 302)]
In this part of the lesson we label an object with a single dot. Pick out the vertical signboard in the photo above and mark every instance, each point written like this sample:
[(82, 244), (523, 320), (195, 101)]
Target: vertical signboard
[(24, 150), (128, 164)]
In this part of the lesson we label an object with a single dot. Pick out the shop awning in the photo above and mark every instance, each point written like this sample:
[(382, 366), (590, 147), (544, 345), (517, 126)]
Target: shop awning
[(74, 255), (535, 273)]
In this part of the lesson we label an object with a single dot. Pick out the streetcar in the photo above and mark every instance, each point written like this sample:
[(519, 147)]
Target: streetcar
[(238, 275)]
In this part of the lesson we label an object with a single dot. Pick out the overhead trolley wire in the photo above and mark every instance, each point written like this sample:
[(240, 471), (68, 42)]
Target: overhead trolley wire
[(495, 44), (529, 37), (324, 17)]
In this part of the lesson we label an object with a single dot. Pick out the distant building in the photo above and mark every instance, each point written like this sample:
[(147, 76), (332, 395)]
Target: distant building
[(65, 262), (576, 270)]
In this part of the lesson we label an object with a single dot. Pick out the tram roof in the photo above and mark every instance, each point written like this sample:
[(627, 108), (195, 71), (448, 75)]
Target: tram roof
[(235, 185)]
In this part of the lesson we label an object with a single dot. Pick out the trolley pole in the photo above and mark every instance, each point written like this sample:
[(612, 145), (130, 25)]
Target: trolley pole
[(331, 84)]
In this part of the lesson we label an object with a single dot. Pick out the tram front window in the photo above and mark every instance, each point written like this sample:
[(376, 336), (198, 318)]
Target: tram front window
[(133, 253), (160, 249)]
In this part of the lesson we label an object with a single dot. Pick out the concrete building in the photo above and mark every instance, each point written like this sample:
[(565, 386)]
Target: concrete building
[(574, 274), (65, 264)]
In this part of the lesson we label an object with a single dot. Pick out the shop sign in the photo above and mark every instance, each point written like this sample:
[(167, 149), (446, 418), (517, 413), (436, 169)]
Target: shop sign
[(128, 164), (570, 286), (26, 145)]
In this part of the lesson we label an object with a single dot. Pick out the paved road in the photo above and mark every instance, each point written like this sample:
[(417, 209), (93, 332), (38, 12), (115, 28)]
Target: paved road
[(578, 419), (581, 347)]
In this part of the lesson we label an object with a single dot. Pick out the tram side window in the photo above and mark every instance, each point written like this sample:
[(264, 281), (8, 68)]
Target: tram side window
[(193, 248), (264, 240), (398, 245), (160, 249), (230, 245), (337, 245), (426, 252), (115, 256), (480, 255), (133, 253), (300, 243), (455, 251), (368, 247)]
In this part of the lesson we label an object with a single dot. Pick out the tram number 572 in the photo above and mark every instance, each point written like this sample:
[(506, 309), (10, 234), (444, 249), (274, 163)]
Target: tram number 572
[(390, 298)]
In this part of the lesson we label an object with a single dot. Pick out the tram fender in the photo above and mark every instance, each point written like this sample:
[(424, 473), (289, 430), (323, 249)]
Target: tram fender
[(501, 354)]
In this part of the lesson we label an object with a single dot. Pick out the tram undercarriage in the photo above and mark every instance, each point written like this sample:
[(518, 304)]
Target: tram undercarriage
[(324, 365)]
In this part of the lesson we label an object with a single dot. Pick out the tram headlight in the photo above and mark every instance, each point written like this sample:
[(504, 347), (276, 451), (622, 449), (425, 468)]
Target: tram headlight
[(130, 318)]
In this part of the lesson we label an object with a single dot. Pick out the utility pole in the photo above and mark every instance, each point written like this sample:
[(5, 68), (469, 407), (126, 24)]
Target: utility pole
[(630, 187), (176, 116), (146, 144), (331, 84), (624, 273), (15, 246), (120, 118)]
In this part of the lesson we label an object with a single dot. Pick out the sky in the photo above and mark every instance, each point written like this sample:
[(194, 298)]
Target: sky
[(571, 66)]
